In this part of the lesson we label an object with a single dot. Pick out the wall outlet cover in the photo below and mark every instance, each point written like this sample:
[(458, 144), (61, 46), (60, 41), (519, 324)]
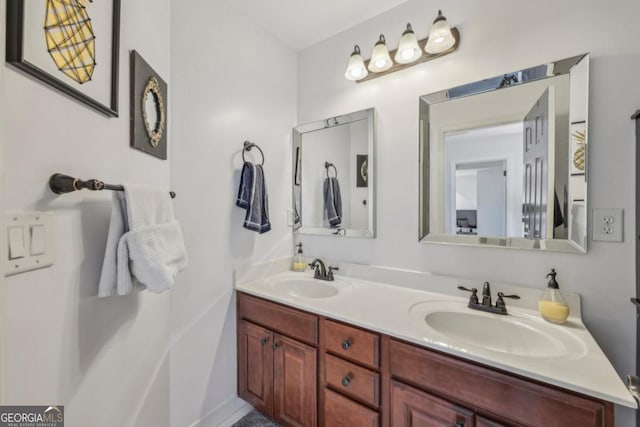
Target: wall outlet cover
[(607, 225)]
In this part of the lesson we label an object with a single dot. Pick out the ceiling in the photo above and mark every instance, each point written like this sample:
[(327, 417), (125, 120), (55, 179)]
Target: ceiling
[(302, 23)]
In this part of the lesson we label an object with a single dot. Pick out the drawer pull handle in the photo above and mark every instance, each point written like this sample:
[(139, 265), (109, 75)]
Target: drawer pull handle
[(346, 344), (346, 381), (264, 341), (275, 345)]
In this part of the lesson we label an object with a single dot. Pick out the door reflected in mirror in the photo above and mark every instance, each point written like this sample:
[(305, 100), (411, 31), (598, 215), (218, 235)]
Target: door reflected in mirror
[(332, 189), (498, 160)]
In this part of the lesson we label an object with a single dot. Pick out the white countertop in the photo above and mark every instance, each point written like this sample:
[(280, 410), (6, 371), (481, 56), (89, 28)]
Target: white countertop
[(386, 309)]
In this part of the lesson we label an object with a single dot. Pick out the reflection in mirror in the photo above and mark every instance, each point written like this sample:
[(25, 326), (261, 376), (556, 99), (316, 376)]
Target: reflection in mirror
[(151, 108), (503, 160), (332, 176)]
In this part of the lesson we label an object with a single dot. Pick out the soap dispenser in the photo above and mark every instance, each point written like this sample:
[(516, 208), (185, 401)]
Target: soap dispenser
[(552, 306), (299, 263)]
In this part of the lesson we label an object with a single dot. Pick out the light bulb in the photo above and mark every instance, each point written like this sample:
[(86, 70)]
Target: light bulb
[(380, 59), (440, 36), (408, 50)]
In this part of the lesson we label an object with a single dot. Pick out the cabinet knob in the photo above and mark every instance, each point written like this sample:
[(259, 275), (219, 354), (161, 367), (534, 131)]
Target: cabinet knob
[(346, 381), (346, 344), (275, 345), (264, 340)]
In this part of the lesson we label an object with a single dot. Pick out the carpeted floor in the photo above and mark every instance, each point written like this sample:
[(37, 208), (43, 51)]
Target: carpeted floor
[(255, 419)]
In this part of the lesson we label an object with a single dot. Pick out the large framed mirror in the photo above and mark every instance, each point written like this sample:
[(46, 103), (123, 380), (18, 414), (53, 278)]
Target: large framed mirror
[(503, 161), (333, 176)]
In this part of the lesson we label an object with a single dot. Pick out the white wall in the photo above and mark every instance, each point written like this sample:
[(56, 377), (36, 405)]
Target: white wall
[(232, 82), (104, 359), (496, 38)]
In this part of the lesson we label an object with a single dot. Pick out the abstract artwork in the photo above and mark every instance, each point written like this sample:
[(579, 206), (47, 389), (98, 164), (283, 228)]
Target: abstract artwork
[(70, 45), (362, 176), (70, 39)]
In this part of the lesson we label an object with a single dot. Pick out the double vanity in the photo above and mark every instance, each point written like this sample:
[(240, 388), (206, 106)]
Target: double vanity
[(356, 351)]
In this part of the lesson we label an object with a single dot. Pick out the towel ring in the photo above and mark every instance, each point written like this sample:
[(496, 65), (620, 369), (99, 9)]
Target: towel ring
[(328, 165), (248, 146)]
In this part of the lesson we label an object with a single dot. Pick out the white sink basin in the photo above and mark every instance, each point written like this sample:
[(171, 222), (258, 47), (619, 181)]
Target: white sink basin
[(306, 287), (514, 334)]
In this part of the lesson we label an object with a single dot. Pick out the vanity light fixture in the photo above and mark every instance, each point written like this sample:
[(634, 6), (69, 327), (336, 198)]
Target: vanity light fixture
[(408, 49), (442, 40), (380, 59), (440, 36), (356, 69)]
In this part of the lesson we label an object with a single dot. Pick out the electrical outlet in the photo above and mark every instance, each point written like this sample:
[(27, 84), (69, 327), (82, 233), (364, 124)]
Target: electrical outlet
[(607, 225)]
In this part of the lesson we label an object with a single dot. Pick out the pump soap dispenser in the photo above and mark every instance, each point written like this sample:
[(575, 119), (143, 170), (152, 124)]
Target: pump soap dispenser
[(552, 306), (298, 261)]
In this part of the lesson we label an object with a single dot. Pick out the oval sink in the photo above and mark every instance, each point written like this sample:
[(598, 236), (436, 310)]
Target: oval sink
[(511, 334), (305, 287)]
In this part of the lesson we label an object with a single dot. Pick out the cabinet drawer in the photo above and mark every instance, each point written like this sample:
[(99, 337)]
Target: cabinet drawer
[(288, 321), (342, 412), (352, 380), (352, 343), (515, 400)]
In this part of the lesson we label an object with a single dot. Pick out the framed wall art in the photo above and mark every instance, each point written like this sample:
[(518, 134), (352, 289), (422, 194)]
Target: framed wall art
[(70, 45), (362, 170), (148, 108)]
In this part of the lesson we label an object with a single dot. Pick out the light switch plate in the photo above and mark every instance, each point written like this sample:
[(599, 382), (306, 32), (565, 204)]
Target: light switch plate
[(43, 244), (608, 225)]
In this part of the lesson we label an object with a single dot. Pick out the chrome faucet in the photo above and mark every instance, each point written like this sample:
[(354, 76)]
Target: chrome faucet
[(322, 272), (485, 305)]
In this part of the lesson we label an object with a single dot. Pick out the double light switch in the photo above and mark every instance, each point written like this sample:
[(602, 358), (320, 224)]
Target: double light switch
[(29, 241)]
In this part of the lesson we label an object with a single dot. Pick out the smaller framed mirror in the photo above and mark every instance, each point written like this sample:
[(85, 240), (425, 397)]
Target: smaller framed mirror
[(333, 179), (148, 108)]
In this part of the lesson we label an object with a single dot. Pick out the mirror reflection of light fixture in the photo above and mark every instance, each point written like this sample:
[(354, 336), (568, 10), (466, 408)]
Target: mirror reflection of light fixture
[(380, 59), (442, 40), (356, 69), (440, 36), (408, 49)]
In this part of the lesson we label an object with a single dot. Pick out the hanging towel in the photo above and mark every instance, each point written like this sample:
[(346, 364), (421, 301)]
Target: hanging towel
[(145, 247), (252, 196), (332, 201)]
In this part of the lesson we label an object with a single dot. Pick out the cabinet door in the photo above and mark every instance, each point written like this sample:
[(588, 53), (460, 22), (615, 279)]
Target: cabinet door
[(294, 383), (414, 408), (255, 366)]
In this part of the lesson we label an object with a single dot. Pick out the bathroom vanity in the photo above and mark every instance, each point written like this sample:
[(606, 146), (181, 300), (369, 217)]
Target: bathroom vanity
[(304, 361)]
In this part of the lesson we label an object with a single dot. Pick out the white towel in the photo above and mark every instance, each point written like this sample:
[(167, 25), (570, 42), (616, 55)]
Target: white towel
[(145, 247)]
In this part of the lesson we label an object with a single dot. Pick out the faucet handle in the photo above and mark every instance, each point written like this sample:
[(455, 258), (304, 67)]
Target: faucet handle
[(330, 271), (501, 295), (473, 299), (500, 301)]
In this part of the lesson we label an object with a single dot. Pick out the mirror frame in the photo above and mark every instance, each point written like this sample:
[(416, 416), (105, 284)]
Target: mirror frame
[(296, 158), (554, 69)]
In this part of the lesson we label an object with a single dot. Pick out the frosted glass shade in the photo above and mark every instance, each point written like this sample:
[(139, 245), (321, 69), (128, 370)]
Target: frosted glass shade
[(408, 50), (356, 69), (380, 59), (440, 36)]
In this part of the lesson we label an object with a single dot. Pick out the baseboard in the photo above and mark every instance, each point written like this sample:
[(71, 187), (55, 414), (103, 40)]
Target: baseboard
[(226, 414)]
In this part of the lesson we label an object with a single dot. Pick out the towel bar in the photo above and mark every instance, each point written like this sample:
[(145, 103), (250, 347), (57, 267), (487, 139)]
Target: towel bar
[(248, 145), (328, 165), (61, 184)]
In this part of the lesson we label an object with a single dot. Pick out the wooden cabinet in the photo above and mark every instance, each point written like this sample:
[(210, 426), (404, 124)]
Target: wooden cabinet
[(276, 373), (305, 370), (255, 366), (350, 388), (294, 382), (414, 408)]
